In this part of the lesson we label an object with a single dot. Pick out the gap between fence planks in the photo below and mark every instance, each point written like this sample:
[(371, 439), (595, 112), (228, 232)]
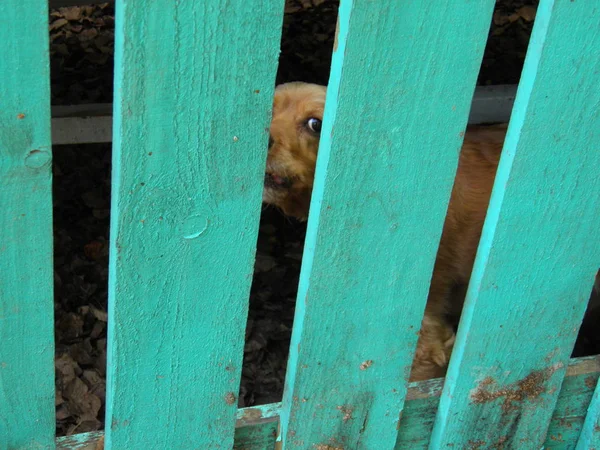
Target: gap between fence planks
[(27, 418), (540, 249), (375, 220), (193, 96)]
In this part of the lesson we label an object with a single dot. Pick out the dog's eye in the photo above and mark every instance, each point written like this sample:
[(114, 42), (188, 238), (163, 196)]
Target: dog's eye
[(314, 125)]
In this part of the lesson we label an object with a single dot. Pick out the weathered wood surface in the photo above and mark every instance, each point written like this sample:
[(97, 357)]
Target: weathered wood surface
[(193, 94), (382, 184), (540, 248), (26, 279), (255, 427), (590, 433), (571, 407), (576, 392)]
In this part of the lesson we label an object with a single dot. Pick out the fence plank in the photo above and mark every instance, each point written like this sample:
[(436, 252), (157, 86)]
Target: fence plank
[(26, 280), (193, 92), (361, 299), (539, 251), (590, 433)]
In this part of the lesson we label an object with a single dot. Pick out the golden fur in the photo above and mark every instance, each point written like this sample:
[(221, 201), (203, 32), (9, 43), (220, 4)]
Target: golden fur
[(288, 185), (293, 147)]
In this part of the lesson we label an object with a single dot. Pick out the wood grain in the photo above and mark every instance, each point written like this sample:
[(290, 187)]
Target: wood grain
[(26, 278), (193, 91), (382, 184), (540, 249), (590, 433)]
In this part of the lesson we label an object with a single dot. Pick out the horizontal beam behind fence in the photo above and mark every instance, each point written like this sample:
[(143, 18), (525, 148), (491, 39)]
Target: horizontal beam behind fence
[(87, 124), (256, 426), (62, 3), (26, 278), (193, 95), (539, 250)]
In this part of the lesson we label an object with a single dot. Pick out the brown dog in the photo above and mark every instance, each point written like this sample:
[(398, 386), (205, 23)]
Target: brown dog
[(293, 144)]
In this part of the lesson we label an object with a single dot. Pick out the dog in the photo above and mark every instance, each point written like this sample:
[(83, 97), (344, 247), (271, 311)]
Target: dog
[(293, 144)]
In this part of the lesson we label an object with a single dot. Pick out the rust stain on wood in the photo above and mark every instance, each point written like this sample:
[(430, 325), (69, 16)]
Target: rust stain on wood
[(347, 411), (474, 445), (230, 398), (528, 388), (590, 382), (500, 444), (252, 414)]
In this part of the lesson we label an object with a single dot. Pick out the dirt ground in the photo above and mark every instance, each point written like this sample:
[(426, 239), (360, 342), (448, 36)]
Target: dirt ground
[(82, 40)]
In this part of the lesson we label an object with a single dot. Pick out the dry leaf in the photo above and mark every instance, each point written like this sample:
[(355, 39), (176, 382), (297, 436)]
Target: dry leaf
[(71, 13), (58, 24), (63, 413), (88, 34), (81, 401), (99, 314), (58, 399), (97, 329), (65, 368), (513, 17), (500, 18), (527, 13)]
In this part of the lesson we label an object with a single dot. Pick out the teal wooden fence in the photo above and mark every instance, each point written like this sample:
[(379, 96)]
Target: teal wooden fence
[(193, 91)]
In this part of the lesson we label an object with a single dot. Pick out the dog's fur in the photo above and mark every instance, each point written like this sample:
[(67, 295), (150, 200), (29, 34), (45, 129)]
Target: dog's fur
[(289, 181)]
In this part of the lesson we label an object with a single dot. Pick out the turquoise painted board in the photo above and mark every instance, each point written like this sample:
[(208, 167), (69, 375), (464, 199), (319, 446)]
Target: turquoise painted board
[(26, 279), (382, 184), (590, 433), (539, 250), (193, 91)]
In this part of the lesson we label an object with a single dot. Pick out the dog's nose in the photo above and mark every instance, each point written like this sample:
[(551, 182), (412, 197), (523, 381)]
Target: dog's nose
[(270, 141)]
